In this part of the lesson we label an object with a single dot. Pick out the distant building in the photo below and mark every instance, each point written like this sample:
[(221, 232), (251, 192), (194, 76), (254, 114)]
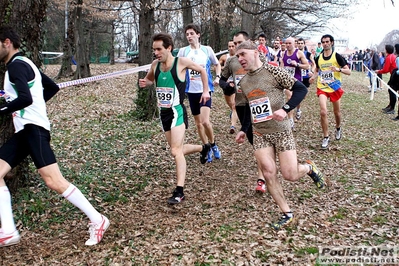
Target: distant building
[(341, 45)]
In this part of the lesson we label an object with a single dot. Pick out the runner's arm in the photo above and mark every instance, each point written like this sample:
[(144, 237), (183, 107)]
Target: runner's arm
[(187, 63), (343, 63), (19, 74), (148, 80), (246, 121), (49, 87), (315, 70), (304, 62), (299, 92), (226, 86)]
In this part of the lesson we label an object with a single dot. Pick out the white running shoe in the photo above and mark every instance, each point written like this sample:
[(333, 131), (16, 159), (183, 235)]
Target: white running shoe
[(97, 231), (338, 134), (8, 240), (326, 141)]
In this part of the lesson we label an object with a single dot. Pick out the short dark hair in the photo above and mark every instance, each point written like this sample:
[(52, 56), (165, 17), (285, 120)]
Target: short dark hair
[(194, 27), (243, 33), (300, 39), (389, 48), (328, 36), (7, 32), (397, 48), (262, 35), (166, 39)]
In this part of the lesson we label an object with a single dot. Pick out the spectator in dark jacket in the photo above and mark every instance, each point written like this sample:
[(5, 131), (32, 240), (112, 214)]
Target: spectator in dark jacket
[(394, 80), (389, 67), (359, 65), (375, 64)]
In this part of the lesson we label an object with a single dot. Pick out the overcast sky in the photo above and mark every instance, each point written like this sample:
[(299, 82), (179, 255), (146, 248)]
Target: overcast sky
[(370, 23)]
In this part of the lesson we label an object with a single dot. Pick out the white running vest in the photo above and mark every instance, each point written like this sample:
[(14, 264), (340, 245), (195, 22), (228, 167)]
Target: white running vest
[(35, 113)]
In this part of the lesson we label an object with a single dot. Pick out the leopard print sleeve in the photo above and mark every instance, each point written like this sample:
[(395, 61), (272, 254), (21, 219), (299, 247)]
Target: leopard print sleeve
[(283, 78)]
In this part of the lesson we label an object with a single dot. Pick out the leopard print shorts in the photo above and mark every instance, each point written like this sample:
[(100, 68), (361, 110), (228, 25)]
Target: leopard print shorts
[(281, 141)]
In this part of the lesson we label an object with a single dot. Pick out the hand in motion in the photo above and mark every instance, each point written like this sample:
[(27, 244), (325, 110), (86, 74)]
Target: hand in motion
[(144, 83), (279, 115), (240, 137), (205, 97)]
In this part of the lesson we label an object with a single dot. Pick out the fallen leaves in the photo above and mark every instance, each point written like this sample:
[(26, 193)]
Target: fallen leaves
[(222, 220)]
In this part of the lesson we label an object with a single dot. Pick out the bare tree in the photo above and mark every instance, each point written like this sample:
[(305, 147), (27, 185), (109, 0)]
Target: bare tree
[(295, 17), (146, 101), (391, 38)]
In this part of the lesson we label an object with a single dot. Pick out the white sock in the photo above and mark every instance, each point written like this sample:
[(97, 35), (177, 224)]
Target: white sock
[(6, 216), (75, 196)]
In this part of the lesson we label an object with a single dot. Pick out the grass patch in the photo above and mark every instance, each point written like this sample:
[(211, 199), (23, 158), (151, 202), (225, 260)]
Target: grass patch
[(307, 250), (339, 215)]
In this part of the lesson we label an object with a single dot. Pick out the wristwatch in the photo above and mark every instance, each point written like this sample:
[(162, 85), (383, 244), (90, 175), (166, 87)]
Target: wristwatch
[(286, 108), (218, 76)]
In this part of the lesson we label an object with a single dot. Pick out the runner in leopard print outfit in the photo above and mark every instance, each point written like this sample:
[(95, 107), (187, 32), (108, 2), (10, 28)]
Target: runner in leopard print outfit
[(264, 87)]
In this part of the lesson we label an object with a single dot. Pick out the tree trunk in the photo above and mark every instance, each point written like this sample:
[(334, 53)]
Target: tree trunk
[(26, 17), (248, 21), (82, 55), (146, 101), (112, 50), (226, 30), (214, 38), (187, 12), (68, 48)]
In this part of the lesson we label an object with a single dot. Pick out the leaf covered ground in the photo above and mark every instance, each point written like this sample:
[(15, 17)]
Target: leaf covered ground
[(125, 168)]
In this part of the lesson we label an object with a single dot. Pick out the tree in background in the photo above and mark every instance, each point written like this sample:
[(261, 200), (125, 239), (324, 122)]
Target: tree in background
[(291, 17), (391, 38), (93, 26), (85, 34), (146, 101), (27, 19)]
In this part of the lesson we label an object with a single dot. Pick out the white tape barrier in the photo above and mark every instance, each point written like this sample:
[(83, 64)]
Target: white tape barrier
[(104, 76), (57, 55), (374, 78), (111, 75)]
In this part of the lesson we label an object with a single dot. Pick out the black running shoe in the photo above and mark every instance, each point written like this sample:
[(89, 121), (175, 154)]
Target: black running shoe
[(316, 175), (386, 108), (390, 111), (283, 221), (176, 198), (204, 153)]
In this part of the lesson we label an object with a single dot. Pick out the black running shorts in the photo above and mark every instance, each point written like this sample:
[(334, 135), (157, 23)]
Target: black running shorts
[(33, 140)]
